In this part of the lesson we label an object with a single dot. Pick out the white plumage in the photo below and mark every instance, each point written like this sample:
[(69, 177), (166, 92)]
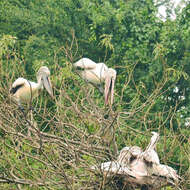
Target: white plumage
[(139, 169), (97, 74), (23, 90)]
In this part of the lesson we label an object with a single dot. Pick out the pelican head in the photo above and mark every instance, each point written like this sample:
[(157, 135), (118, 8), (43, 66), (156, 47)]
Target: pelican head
[(150, 155), (153, 141), (110, 77), (43, 75)]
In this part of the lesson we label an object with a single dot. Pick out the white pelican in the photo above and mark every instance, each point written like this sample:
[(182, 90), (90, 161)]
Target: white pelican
[(96, 74), (23, 90), (150, 155)]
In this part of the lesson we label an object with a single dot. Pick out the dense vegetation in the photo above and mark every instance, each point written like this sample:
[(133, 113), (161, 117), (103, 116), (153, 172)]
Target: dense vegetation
[(76, 129)]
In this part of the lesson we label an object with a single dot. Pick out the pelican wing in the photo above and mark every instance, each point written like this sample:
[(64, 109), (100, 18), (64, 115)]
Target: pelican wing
[(165, 171), (18, 83), (85, 63), (161, 175), (14, 89), (114, 168), (134, 177)]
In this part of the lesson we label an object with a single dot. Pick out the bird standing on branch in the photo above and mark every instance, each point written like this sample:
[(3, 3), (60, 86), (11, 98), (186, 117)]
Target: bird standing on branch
[(97, 74), (23, 90)]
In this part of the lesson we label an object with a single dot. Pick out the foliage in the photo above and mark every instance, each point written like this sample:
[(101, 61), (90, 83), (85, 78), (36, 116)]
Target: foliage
[(75, 130)]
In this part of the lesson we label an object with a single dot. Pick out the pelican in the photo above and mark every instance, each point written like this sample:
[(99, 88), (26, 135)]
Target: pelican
[(150, 155), (97, 74), (23, 90), (128, 154), (132, 166)]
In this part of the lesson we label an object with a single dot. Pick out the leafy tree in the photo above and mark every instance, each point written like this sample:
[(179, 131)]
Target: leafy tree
[(76, 130)]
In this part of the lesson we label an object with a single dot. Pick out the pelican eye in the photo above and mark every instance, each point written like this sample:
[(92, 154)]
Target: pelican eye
[(80, 69)]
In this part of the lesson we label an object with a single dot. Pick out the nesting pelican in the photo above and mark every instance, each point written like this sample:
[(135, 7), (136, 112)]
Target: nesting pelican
[(97, 74), (23, 90), (134, 169)]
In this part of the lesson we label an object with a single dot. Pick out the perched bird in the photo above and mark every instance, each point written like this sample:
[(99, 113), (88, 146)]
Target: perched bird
[(97, 74), (23, 90), (134, 169)]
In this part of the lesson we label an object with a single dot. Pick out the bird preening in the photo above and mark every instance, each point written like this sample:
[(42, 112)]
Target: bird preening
[(139, 168), (23, 91), (97, 74)]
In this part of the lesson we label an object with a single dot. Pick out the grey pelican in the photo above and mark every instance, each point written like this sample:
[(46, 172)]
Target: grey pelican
[(132, 166), (23, 90), (97, 74)]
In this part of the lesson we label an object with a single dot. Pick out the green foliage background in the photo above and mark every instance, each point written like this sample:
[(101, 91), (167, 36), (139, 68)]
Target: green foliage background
[(151, 57)]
